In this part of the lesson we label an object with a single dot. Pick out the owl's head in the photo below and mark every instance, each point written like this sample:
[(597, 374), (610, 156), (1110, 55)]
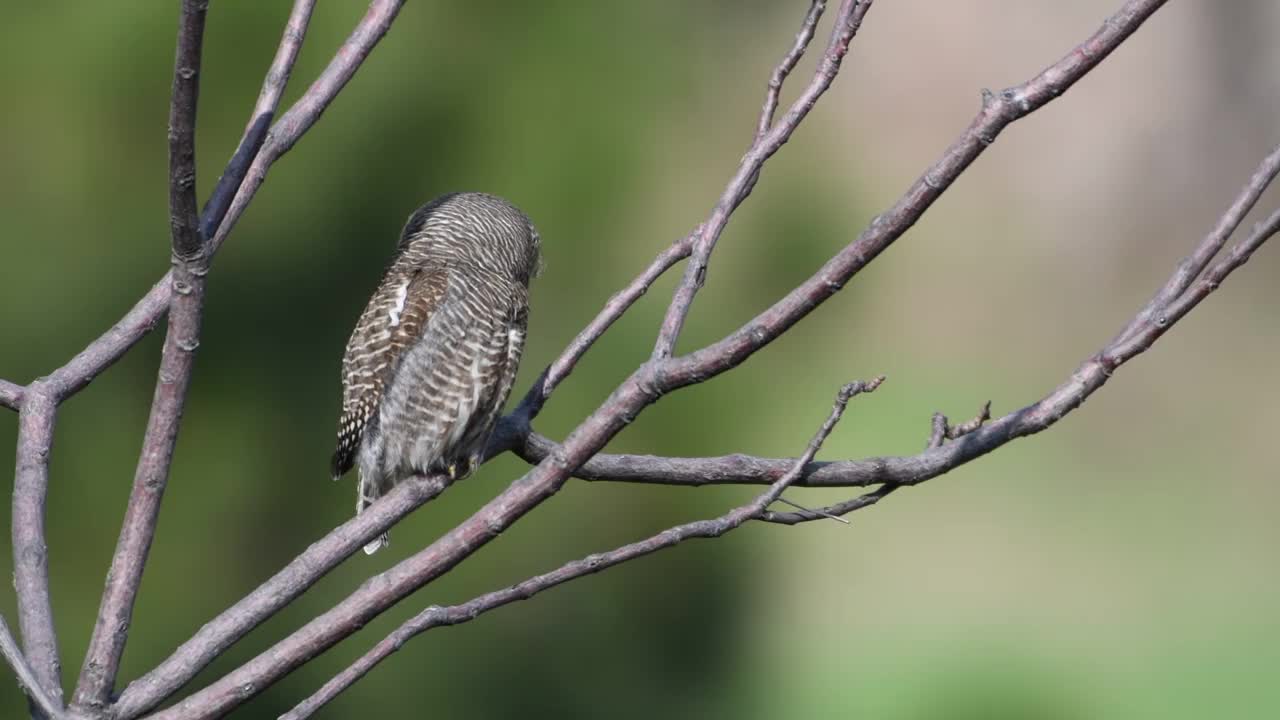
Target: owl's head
[(477, 229)]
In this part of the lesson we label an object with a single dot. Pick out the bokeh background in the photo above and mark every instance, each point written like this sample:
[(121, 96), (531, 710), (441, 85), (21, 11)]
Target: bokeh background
[(1121, 565)]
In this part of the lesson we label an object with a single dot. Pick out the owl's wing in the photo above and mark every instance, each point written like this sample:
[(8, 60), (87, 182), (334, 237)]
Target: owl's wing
[(501, 360), (393, 321)]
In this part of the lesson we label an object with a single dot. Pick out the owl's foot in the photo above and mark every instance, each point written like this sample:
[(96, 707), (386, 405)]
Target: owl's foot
[(459, 469)]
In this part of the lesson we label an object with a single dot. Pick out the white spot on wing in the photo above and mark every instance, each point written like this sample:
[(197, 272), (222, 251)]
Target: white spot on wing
[(402, 294)]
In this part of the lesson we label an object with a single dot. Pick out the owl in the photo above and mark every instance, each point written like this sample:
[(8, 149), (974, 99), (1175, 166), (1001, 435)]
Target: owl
[(434, 354)]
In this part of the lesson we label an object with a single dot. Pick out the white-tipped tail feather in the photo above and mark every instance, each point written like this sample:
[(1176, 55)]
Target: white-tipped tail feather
[(368, 493)]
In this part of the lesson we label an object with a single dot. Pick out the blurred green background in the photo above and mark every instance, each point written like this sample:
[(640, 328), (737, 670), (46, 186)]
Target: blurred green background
[(1120, 566)]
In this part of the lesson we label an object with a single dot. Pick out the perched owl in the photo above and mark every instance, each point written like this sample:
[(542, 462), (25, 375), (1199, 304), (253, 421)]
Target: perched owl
[(434, 354)]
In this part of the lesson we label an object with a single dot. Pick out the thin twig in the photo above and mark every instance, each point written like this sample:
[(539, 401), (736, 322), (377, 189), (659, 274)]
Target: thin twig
[(110, 632), (306, 111), (997, 112), (255, 134), (439, 616), (103, 352), (277, 78), (1194, 264), (837, 510), (284, 587), (26, 677), (30, 552), (1142, 336), (968, 426), (562, 366), (940, 432), (643, 388), (784, 68), (848, 20)]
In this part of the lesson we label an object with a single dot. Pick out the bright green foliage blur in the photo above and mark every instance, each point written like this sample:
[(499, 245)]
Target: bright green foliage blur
[(1119, 566)]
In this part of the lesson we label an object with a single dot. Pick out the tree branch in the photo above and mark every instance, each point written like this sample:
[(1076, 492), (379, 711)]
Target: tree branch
[(27, 681), (306, 111), (277, 78), (1194, 264), (30, 552), (997, 112), (558, 370), (644, 387), (284, 587), (941, 432), (110, 632), (143, 317), (848, 20), (780, 73), (436, 616)]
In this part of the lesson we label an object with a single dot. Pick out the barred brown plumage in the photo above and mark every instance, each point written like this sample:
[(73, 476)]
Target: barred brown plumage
[(434, 354)]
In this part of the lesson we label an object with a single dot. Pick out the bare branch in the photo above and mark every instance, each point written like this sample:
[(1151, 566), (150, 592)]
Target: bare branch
[(264, 110), (306, 111), (997, 112), (277, 78), (940, 432), (618, 304), (1191, 266), (1143, 335), (437, 616), (283, 588), (183, 213), (11, 394), (30, 552), (656, 377), (143, 317), (26, 678), (780, 73), (106, 645), (838, 510), (848, 20)]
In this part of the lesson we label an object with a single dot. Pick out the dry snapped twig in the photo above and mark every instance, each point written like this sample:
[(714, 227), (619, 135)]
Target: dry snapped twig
[(437, 616)]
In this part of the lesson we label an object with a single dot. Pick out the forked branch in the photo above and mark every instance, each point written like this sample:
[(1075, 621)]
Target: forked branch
[(197, 237), (437, 616), (660, 376)]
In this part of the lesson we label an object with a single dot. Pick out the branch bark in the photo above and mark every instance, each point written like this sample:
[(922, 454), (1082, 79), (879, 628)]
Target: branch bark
[(26, 676), (30, 552), (648, 383), (197, 237), (11, 394), (306, 111), (436, 616), (284, 587), (110, 632), (848, 20)]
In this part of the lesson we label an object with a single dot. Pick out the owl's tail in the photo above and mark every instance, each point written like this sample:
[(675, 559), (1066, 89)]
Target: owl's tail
[(368, 492)]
